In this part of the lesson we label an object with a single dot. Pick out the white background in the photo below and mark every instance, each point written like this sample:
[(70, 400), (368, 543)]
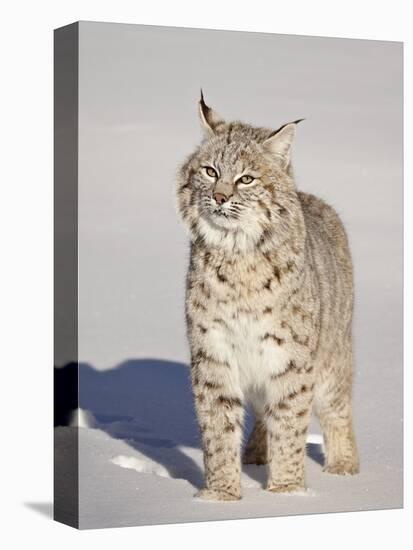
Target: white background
[(26, 274)]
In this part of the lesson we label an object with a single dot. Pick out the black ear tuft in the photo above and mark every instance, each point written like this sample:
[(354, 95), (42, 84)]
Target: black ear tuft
[(203, 105), (209, 118), (272, 134)]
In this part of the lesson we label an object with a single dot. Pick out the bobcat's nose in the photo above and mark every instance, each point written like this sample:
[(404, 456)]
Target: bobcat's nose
[(220, 198)]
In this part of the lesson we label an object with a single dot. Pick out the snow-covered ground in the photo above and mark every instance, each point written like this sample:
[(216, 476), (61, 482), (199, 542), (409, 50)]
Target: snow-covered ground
[(140, 461)]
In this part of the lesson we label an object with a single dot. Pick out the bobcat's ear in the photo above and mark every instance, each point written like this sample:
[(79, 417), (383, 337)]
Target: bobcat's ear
[(209, 118), (279, 142)]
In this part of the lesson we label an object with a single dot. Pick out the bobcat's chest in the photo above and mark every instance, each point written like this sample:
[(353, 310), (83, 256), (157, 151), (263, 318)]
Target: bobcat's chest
[(241, 319), (252, 348)]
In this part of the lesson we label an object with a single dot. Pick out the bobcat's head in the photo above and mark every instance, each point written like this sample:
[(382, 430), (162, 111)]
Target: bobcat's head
[(236, 189)]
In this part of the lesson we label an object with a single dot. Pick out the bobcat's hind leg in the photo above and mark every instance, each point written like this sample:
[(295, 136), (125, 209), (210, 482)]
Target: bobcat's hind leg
[(340, 445), (333, 408), (256, 448)]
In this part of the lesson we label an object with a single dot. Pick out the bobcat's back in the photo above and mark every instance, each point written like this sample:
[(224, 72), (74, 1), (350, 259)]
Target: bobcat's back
[(330, 259)]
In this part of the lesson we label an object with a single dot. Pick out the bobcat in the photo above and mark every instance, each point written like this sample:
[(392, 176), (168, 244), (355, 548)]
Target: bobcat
[(269, 305)]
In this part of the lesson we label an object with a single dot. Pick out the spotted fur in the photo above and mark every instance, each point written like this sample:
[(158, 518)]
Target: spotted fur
[(269, 308)]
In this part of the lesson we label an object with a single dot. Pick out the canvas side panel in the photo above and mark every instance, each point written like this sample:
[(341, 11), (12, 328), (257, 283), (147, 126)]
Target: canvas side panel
[(66, 445)]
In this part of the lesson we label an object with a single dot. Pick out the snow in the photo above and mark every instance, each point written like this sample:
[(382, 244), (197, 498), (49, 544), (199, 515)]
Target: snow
[(140, 461), (140, 465), (143, 464)]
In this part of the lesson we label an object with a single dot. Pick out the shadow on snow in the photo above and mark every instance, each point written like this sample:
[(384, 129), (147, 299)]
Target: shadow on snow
[(148, 404)]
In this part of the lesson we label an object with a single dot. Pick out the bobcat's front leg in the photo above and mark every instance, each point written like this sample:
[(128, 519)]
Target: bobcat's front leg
[(218, 404), (287, 423)]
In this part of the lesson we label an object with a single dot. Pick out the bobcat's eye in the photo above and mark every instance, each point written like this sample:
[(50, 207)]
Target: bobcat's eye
[(245, 179), (210, 172)]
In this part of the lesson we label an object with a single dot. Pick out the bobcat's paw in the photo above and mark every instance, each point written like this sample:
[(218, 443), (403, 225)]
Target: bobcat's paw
[(217, 495), (286, 487), (343, 468)]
